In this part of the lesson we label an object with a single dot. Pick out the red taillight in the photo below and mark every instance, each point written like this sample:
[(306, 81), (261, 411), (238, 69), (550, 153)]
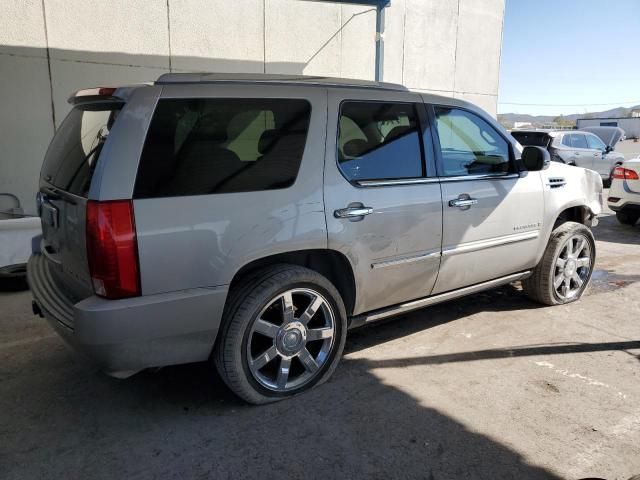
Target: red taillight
[(112, 248), (624, 174), (630, 174)]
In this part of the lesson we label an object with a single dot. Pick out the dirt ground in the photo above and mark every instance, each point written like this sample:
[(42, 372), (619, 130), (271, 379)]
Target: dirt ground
[(492, 386)]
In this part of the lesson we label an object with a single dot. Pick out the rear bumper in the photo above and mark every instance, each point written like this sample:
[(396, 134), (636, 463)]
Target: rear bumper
[(129, 335), (627, 199), (622, 205)]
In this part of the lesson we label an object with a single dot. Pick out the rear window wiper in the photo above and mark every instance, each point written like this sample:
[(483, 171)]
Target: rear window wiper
[(57, 194)]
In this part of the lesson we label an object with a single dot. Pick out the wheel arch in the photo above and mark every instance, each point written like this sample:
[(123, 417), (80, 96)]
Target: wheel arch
[(330, 263), (577, 213)]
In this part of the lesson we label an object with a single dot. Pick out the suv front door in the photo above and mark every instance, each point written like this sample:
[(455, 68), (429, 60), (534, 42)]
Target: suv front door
[(383, 210), (492, 216), (601, 163)]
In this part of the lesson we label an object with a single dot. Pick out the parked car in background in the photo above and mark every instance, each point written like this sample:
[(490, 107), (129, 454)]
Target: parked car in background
[(624, 194), (577, 147), (253, 219)]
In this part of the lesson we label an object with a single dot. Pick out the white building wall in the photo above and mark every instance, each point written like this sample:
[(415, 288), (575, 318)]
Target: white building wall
[(49, 48)]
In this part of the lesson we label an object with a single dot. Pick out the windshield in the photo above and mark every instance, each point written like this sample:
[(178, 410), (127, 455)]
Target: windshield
[(535, 139), (72, 156)]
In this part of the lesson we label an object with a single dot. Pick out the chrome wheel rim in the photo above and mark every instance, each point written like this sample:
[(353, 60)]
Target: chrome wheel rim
[(291, 340), (572, 268)]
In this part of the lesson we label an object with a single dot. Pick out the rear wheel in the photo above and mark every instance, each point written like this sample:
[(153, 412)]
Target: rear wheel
[(566, 266), (283, 334), (627, 217)]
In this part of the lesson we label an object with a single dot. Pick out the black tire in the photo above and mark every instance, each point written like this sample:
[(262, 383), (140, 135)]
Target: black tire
[(539, 286), (243, 308), (13, 278), (627, 217)]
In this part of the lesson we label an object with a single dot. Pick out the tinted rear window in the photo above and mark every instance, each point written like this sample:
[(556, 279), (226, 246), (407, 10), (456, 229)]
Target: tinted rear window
[(206, 146), (535, 139), (74, 151)]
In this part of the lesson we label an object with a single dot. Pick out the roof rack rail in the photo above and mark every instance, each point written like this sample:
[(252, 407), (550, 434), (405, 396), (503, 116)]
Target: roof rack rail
[(174, 78)]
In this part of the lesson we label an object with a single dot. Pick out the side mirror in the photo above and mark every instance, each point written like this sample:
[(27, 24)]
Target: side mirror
[(608, 149), (535, 158)]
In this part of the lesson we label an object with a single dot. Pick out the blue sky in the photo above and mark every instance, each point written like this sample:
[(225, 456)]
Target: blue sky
[(569, 52)]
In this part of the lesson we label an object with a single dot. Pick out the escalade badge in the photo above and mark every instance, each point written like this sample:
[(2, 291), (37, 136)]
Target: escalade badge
[(526, 227)]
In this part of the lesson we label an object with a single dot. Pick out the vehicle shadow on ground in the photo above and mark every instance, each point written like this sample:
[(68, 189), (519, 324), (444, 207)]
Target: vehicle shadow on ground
[(183, 423)]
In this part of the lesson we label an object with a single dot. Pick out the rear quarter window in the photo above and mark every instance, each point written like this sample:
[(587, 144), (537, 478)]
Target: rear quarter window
[(208, 146)]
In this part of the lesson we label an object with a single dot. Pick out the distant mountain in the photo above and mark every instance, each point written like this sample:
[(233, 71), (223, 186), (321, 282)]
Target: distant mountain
[(510, 118)]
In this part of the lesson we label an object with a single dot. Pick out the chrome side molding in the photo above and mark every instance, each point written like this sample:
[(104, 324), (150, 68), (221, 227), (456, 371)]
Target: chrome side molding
[(406, 307), (490, 243), (397, 182), (408, 259)]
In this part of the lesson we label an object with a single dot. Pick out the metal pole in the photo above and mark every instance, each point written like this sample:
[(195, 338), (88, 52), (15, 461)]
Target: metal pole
[(379, 62)]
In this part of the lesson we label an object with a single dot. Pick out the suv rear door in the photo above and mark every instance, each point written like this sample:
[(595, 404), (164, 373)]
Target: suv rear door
[(383, 204), (582, 154), (66, 176), (492, 216)]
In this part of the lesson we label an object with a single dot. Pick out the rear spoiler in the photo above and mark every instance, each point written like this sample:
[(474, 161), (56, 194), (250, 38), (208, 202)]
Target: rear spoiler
[(117, 94), (93, 94)]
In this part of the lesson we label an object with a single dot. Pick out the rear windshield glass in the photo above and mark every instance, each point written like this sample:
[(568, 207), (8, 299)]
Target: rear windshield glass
[(535, 139), (73, 154), (205, 146)]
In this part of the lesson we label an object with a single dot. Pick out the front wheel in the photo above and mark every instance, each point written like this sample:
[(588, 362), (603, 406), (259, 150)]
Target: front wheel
[(626, 217), (566, 266), (283, 334)]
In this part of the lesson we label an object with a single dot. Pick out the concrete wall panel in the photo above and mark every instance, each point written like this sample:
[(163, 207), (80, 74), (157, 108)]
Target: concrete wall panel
[(479, 41), (430, 44), (486, 102), (358, 42), (118, 31), (302, 37), (217, 35), (25, 126), (22, 30)]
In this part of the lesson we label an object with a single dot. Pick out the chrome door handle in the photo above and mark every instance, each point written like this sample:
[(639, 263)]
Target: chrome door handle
[(351, 212), (463, 202)]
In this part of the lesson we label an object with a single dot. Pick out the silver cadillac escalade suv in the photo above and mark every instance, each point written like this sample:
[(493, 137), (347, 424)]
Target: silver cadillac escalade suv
[(253, 220)]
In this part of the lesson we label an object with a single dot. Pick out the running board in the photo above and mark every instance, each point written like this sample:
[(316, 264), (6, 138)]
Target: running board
[(374, 316)]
